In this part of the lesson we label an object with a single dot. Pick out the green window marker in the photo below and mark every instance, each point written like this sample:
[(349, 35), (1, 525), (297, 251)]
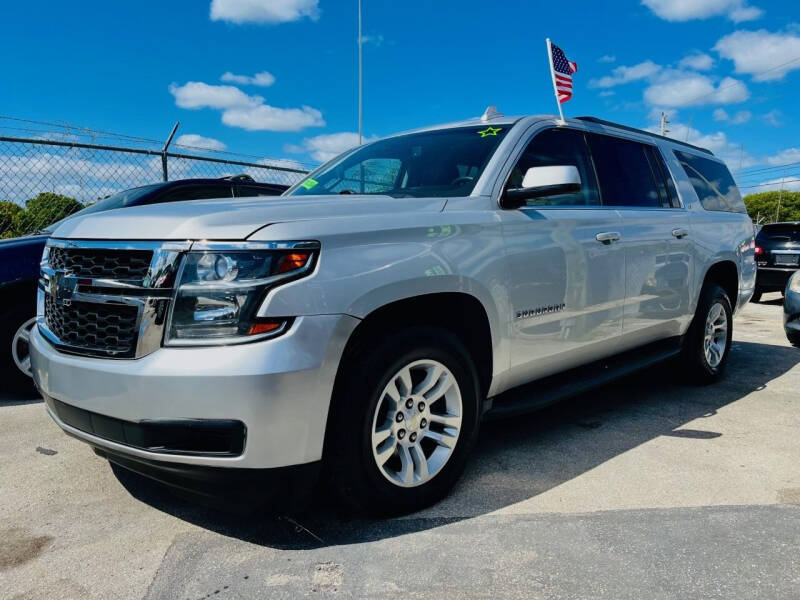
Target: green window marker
[(309, 183)]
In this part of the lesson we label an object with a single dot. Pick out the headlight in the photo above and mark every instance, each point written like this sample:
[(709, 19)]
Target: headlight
[(794, 283), (221, 286)]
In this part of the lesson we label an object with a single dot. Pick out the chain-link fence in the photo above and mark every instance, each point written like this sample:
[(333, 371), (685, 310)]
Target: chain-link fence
[(44, 180)]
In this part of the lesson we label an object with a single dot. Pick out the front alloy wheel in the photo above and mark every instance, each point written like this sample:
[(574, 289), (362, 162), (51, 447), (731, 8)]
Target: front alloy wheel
[(416, 423), (403, 420)]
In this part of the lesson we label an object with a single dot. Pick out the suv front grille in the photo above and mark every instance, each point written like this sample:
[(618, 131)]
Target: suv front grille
[(101, 263), (110, 329)]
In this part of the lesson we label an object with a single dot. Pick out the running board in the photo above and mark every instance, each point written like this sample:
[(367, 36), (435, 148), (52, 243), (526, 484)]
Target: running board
[(554, 388)]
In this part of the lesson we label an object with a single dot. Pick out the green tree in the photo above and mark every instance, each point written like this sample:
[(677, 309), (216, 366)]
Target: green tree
[(45, 209), (765, 206), (10, 213)]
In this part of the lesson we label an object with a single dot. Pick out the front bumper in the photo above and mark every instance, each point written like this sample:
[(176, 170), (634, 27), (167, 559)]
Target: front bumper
[(280, 389)]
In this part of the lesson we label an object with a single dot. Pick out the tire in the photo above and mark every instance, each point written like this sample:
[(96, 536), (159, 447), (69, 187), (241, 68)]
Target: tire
[(757, 295), (374, 478), (704, 366), (794, 339), (13, 343)]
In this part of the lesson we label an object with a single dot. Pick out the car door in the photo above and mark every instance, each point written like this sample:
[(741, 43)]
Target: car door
[(566, 268), (655, 238)]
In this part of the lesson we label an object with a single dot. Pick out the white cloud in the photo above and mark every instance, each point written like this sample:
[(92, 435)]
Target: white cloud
[(742, 116), (196, 94), (606, 93), (623, 74), (698, 62), (754, 52), (242, 110), (263, 11), (607, 58), (773, 118), (680, 88), (375, 40), (262, 78), (324, 147), (198, 141), (686, 10), (731, 152), (269, 118), (784, 157)]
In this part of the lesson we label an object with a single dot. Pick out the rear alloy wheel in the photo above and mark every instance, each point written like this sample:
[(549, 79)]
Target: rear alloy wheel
[(403, 421), (708, 341)]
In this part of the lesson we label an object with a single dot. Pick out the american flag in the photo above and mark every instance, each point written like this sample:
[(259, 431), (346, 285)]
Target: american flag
[(562, 73)]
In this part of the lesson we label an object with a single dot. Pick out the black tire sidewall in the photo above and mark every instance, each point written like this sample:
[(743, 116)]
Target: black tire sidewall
[(369, 371)]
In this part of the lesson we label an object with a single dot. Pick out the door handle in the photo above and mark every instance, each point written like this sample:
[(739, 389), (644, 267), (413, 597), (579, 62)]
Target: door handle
[(608, 237), (680, 232)]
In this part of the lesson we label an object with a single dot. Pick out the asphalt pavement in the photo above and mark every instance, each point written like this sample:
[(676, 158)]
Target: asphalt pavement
[(646, 488)]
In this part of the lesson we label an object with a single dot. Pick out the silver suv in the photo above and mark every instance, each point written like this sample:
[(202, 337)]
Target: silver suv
[(364, 323)]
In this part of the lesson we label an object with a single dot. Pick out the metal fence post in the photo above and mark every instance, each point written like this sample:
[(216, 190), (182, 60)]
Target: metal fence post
[(164, 151)]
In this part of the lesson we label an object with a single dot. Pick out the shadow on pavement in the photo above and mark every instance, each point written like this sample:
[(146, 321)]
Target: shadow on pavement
[(514, 460)]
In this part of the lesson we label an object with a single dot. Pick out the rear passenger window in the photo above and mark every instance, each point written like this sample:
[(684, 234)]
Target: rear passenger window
[(713, 183), (558, 147), (625, 173)]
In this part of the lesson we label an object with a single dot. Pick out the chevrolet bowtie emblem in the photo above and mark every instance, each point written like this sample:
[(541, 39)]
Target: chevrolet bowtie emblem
[(62, 287)]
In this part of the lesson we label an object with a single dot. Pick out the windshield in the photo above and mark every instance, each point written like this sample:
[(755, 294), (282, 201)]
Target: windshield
[(444, 162), (120, 199)]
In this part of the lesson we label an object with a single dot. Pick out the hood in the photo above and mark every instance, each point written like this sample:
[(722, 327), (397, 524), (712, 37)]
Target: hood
[(230, 219)]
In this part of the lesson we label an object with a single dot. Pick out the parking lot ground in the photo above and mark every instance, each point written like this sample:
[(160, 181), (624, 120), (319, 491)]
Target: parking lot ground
[(646, 488)]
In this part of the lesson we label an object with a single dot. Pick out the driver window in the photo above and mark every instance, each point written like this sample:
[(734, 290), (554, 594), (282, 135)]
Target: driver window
[(558, 147)]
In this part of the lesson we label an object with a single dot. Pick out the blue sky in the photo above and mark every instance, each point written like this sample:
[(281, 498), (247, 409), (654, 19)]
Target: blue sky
[(136, 68)]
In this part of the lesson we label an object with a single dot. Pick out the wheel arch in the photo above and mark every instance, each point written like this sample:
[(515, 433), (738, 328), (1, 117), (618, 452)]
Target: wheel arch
[(725, 272)]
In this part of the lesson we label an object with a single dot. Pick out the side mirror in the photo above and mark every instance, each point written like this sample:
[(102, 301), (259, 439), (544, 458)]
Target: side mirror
[(540, 182)]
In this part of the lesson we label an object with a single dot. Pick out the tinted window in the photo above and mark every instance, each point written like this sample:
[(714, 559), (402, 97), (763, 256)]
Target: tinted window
[(626, 177), (713, 183), (444, 162), (194, 192), (558, 147)]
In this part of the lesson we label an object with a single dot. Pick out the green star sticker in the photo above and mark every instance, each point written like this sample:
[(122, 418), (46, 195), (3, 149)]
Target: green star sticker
[(490, 131)]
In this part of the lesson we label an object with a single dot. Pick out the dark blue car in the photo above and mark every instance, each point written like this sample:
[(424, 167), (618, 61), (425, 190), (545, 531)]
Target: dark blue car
[(19, 262)]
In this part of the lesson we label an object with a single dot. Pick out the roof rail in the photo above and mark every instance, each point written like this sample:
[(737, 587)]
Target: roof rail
[(643, 132)]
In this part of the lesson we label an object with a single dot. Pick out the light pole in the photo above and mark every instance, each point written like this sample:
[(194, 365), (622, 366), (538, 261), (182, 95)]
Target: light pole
[(360, 73)]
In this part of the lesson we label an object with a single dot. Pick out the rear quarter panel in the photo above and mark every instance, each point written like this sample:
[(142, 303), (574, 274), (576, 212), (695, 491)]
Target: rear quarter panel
[(717, 236)]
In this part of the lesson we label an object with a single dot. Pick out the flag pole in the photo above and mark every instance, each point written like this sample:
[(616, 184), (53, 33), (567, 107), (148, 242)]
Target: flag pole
[(553, 77)]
